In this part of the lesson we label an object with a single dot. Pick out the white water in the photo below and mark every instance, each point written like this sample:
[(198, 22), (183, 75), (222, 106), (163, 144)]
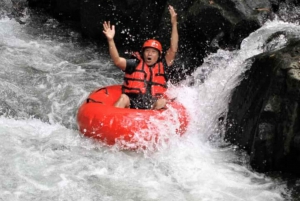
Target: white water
[(43, 80)]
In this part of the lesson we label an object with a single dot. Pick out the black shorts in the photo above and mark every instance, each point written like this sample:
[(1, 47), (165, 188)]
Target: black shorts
[(141, 101)]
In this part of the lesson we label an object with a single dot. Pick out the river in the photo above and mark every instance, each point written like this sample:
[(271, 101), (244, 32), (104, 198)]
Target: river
[(47, 70)]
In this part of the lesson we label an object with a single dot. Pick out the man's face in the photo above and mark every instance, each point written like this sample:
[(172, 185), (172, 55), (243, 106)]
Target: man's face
[(150, 55)]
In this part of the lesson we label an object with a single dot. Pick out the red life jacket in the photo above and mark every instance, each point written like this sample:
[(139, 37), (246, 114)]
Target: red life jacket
[(146, 79)]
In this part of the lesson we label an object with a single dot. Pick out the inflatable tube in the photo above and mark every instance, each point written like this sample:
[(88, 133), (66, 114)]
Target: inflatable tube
[(99, 119)]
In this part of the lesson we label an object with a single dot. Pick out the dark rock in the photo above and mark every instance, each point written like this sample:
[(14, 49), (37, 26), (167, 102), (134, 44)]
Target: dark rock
[(264, 111), (134, 21), (204, 26)]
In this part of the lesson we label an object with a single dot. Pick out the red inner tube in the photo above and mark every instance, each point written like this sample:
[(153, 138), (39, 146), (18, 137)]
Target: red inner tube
[(99, 119)]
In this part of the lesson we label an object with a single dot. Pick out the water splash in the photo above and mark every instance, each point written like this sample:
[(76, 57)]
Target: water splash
[(44, 156)]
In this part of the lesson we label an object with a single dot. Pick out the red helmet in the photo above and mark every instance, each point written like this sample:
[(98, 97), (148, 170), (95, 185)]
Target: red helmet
[(154, 44)]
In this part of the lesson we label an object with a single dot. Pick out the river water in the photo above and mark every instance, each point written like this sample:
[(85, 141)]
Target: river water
[(46, 71)]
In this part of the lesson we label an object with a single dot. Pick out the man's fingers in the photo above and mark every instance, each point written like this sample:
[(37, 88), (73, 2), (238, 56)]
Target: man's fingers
[(172, 11), (106, 25)]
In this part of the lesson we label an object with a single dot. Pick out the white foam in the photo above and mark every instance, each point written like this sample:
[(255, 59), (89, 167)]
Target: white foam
[(50, 160)]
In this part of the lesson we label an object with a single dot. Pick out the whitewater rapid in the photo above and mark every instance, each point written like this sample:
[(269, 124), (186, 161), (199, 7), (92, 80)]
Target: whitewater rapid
[(46, 73)]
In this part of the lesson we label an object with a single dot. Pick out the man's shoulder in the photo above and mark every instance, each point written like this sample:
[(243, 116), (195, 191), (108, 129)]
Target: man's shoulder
[(131, 65)]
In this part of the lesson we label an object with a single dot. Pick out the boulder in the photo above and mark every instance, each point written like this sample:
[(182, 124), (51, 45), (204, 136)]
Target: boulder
[(264, 112)]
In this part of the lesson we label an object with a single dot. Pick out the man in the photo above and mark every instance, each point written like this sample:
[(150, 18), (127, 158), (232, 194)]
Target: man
[(145, 81)]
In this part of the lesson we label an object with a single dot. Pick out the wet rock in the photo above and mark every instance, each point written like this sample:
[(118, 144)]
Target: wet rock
[(204, 26), (264, 112)]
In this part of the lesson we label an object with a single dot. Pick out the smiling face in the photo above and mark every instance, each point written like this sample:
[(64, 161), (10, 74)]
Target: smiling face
[(150, 55)]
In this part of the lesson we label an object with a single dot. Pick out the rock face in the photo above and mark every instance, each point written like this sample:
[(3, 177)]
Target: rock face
[(264, 113), (204, 25)]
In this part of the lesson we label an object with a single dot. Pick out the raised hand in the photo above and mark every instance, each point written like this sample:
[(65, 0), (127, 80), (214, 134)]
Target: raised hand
[(108, 30), (173, 14)]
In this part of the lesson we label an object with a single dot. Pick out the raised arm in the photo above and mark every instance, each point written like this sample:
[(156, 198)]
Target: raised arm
[(171, 52), (109, 32)]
